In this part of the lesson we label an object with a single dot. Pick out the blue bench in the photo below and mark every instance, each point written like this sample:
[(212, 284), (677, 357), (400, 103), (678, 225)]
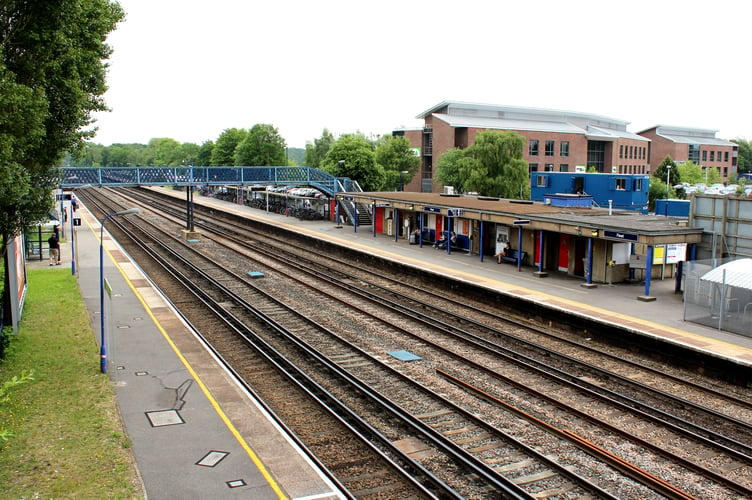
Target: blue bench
[(512, 257), (462, 242)]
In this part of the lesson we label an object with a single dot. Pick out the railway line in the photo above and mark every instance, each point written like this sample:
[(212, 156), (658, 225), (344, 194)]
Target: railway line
[(516, 408)]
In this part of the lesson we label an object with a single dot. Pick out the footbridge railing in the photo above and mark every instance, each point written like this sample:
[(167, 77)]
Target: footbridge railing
[(71, 177)]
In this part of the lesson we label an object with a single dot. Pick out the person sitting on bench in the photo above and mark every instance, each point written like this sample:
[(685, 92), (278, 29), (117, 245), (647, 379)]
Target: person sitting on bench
[(505, 252)]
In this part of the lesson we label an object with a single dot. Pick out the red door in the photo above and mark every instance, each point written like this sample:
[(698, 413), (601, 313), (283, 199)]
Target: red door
[(378, 219), (563, 252)]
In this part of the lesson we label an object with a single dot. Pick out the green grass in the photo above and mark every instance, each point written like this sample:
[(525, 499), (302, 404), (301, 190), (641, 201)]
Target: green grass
[(67, 437)]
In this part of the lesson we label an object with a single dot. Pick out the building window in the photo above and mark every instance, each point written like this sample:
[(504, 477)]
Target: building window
[(712, 156), (596, 155), (621, 151), (549, 167), (564, 148), (704, 155), (725, 156), (564, 167), (533, 167), (550, 146), (533, 148), (540, 180), (693, 153), (621, 184), (638, 184)]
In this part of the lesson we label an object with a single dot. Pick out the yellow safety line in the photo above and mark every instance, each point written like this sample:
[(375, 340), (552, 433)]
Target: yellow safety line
[(256, 460)]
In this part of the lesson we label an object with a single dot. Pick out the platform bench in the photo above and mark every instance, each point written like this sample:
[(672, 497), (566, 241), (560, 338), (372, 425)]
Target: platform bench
[(461, 243), (512, 257)]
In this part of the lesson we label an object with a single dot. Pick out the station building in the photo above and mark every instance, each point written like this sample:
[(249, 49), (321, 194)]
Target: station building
[(557, 141), (599, 245), (699, 146)]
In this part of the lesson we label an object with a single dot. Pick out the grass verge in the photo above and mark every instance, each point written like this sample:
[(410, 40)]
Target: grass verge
[(68, 440)]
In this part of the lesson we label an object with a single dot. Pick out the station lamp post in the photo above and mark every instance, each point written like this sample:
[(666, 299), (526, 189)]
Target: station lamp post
[(402, 180), (102, 347), (668, 180)]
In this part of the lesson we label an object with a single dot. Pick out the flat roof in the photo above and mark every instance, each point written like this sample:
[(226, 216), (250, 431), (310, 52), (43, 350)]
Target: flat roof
[(652, 229)]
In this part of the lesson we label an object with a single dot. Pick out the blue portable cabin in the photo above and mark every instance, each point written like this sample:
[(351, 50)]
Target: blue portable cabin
[(673, 208), (625, 191)]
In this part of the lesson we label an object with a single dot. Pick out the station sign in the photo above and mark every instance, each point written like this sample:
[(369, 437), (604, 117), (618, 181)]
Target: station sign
[(383, 205), (521, 222), (433, 210), (619, 235), (455, 212), (76, 221)]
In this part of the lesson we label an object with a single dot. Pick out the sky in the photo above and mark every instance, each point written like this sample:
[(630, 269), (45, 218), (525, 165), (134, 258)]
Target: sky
[(188, 69)]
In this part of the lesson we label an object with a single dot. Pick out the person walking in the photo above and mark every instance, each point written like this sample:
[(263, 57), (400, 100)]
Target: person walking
[(54, 250)]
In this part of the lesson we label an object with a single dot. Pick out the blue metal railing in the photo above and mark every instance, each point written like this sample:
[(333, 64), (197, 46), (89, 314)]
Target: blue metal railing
[(71, 177)]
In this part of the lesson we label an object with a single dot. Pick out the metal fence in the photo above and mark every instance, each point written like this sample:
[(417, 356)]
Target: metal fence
[(718, 294)]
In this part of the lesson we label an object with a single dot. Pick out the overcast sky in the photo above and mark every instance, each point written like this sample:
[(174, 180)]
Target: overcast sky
[(189, 69)]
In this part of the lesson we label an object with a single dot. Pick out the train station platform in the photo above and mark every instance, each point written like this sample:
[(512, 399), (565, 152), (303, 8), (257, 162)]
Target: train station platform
[(195, 433)]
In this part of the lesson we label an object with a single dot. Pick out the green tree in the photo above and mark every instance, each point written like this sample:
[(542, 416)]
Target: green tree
[(223, 153), (295, 156), (496, 167), (204, 156), (52, 78), (691, 172), (395, 156), (163, 152), (351, 156), (712, 176), (744, 160), (316, 152), (262, 146), (662, 172), (449, 167), (656, 191), (121, 155), (189, 153)]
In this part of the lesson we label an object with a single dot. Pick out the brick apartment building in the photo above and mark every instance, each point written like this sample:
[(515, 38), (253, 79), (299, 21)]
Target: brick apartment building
[(560, 141), (699, 146)]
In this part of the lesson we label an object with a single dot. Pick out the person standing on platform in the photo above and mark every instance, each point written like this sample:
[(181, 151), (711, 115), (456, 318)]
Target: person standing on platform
[(54, 250)]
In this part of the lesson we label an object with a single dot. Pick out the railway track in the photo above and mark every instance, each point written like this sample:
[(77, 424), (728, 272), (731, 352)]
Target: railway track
[(386, 304)]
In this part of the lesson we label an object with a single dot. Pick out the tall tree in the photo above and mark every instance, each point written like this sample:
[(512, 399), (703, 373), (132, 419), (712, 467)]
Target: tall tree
[(395, 156), (691, 172), (204, 156), (663, 173), (262, 146), (492, 166), (316, 152), (744, 160), (52, 78), (351, 156), (223, 153), (163, 152), (448, 169)]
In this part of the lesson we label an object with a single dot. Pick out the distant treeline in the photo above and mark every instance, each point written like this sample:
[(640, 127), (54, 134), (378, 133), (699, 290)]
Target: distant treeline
[(165, 152)]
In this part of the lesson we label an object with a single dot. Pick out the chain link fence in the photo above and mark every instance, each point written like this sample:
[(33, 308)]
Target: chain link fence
[(718, 294)]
